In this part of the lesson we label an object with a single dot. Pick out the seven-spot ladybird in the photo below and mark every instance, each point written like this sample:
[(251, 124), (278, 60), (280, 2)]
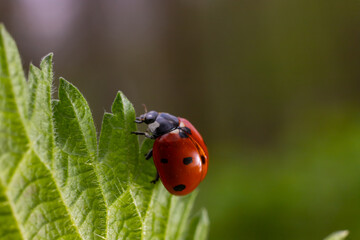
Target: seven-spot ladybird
[(179, 152)]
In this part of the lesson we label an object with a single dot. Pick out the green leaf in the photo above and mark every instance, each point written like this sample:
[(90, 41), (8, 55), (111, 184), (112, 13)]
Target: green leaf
[(199, 226), (58, 182), (40, 115), (118, 149), (74, 162), (13, 138), (339, 235), (8, 225)]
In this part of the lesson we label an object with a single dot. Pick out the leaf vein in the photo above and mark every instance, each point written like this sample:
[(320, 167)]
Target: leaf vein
[(34, 208), (61, 197), (146, 213), (11, 176), (79, 195), (15, 215), (168, 215), (44, 224)]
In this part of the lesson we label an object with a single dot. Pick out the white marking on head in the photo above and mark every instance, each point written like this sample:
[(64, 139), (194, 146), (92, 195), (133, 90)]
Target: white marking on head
[(182, 124), (176, 131), (153, 126)]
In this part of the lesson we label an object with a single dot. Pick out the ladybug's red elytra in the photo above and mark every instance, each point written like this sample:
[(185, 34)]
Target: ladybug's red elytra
[(179, 152)]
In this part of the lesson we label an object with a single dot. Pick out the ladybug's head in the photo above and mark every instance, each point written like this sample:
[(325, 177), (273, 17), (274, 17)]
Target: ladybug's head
[(147, 118)]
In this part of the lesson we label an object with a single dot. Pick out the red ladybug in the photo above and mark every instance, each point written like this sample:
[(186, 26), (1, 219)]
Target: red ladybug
[(179, 152)]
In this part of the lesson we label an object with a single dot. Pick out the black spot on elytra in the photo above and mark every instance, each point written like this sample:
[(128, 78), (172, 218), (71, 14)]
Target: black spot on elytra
[(164, 160), (179, 188), (187, 130), (203, 159), (183, 134), (187, 160)]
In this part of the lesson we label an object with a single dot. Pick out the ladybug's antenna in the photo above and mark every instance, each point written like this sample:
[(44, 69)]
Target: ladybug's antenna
[(145, 108)]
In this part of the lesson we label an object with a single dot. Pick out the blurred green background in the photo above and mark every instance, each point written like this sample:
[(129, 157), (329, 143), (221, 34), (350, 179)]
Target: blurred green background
[(273, 86)]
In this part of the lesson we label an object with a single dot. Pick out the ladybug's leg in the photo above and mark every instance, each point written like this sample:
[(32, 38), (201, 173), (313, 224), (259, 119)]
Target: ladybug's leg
[(144, 133), (148, 155), (138, 133), (156, 179)]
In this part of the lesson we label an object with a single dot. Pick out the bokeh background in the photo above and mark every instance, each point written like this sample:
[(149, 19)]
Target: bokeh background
[(273, 86)]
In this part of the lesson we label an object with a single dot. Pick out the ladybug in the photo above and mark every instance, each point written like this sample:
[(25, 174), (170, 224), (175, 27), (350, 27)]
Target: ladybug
[(179, 152)]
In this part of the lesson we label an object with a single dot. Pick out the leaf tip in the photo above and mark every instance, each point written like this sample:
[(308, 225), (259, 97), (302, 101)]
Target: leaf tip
[(63, 86), (62, 82), (117, 105), (47, 58), (4, 33), (3, 29), (205, 216), (32, 67), (47, 68), (339, 235)]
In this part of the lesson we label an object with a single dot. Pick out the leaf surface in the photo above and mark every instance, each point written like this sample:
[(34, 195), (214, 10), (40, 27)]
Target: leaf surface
[(199, 226)]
